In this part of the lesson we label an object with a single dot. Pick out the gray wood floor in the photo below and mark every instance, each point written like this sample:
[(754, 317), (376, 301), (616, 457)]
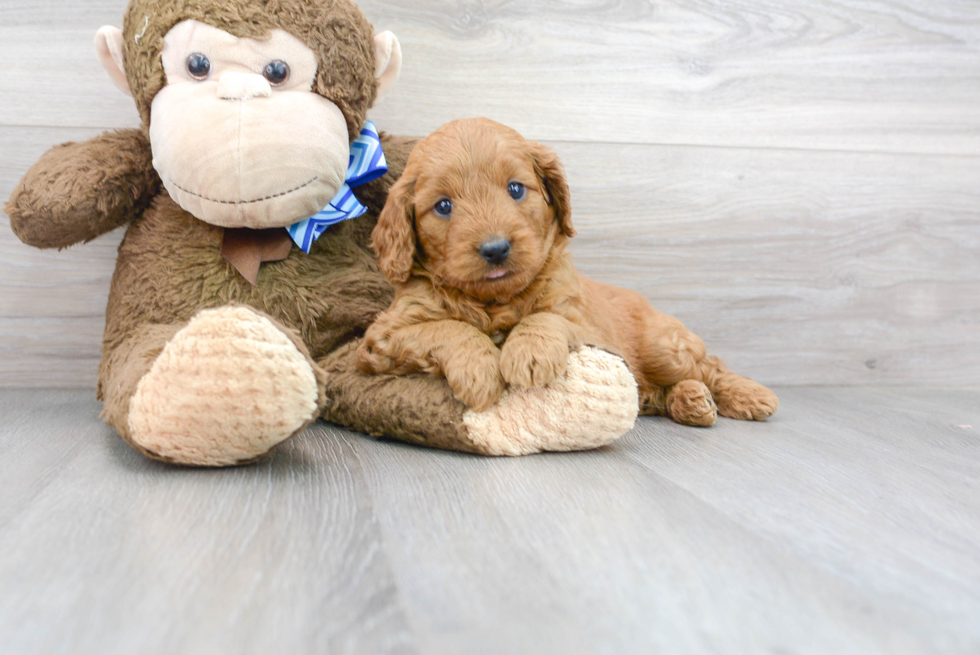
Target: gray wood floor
[(850, 523)]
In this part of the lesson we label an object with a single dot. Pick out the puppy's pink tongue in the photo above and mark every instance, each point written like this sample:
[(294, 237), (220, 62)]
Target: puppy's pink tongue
[(497, 274)]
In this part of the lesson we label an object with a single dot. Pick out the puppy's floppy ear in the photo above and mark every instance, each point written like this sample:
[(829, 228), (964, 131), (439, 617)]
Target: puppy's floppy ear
[(393, 238), (549, 169)]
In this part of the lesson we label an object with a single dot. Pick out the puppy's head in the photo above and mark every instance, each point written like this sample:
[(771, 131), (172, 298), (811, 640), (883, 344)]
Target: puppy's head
[(479, 207)]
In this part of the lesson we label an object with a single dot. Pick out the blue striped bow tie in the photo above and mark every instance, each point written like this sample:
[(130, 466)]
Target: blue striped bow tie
[(367, 163)]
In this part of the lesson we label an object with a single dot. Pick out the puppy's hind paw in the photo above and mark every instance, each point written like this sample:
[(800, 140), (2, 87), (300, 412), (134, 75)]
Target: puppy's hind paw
[(747, 400), (690, 403)]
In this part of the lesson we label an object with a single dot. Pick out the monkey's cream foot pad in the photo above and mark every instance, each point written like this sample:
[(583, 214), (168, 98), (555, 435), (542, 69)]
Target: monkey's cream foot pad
[(594, 404), (226, 389)]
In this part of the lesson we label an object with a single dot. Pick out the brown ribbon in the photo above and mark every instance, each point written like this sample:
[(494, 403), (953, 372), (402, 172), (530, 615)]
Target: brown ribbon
[(247, 250)]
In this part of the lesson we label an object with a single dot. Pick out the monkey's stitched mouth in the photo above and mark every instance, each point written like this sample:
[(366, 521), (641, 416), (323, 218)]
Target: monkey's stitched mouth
[(245, 202)]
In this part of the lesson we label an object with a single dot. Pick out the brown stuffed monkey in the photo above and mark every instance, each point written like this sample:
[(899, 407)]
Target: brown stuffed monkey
[(223, 338)]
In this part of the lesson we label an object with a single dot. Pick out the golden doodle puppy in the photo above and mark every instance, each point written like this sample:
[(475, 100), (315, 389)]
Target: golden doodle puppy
[(473, 238)]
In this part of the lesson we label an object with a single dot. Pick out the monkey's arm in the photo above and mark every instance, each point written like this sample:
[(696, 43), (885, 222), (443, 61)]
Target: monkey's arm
[(79, 191)]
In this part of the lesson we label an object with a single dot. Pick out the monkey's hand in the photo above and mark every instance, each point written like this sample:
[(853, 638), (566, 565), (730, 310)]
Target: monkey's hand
[(79, 191)]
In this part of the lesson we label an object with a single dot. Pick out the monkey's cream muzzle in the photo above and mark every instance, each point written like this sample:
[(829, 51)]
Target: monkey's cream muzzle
[(257, 162), (232, 149)]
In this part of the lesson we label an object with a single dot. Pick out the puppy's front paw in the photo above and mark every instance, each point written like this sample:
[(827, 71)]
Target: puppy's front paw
[(373, 357), (533, 360), (476, 380)]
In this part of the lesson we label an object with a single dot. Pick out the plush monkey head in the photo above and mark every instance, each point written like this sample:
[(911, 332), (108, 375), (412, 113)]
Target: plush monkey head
[(251, 106)]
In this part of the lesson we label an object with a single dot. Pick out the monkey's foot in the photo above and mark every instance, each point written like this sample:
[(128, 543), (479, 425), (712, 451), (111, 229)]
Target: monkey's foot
[(226, 389), (594, 404)]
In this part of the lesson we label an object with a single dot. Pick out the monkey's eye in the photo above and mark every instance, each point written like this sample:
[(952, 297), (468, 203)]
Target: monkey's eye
[(198, 66), (443, 208), (517, 191), (277, 72)]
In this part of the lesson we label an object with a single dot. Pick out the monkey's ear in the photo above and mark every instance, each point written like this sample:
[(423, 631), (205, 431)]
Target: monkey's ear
[(109, 48), (388, 61), (393, 238), (549, 169)]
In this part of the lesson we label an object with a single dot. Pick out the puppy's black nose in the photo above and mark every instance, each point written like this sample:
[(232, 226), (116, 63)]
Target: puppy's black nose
[(496, 251)]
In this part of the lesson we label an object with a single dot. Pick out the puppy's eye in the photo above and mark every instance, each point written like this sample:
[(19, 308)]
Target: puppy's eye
[(444, 208), (517, 191), (198, 66), (277, 72)]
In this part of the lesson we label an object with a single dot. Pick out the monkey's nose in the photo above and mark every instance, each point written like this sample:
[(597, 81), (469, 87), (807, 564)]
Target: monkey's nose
[(243, 86), (495, 251)]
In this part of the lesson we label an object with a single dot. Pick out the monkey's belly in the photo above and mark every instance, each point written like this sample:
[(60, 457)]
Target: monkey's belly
[(170, 267)]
